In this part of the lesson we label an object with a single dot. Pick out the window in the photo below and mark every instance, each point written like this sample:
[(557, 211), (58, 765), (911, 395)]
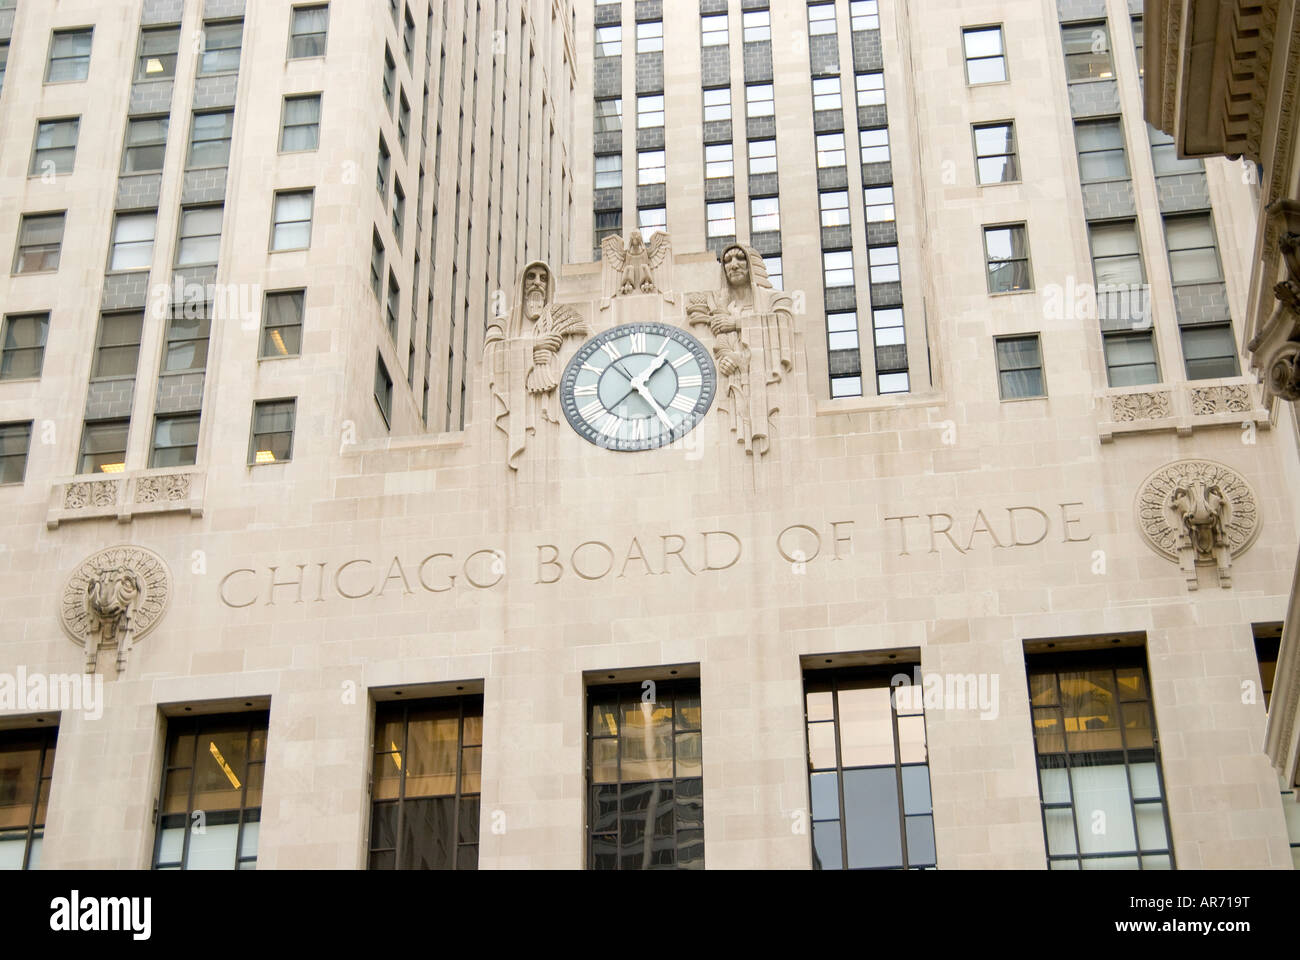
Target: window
[(210, 135), (717, 104), (1193, 257), (214, 769), (986, 60), (15, 444), (846, 387), (650, 220), (1006, 250), (426, 783), (758, 100), (874, 145), (200, 236), (308, 30), (834, 207), (282, 315), (821, 18), (383, 390), (995, 153), (609, 41), (842, 331), (69, 56), (830, 150), (292, 227), (175, 441), (649, 36), (118, 351), (188, 332), (300, 125), (1164, 155), (157, 57), (273, 426), (762, 157), (1116, 253), (650, 111), (649, 167), (1209, 351), (146, 145), (133, 236), (864, 15), (1087, 51), (1130, 359), (774, 271), (408, 39), (837, 268), (883, 265), (390, 79), (403, 122), (718, 160), (1268, 642), (1101, 150), (1098, 761), (385, 164), (757, 25), (27, 759), (645, 771), (393, 305), (103, 446), (871, 89), (721, 219), (1020, 367), (1138, 44), (713, 30), (376, 264), (55, 148), (879, 204), (609, 223), (609, 171), (764, 215), (868, 770), (826, 93), (221, 43), (40, 243), (4, 62), (399, 210), (22, 352), (609, 114), (893, 383)]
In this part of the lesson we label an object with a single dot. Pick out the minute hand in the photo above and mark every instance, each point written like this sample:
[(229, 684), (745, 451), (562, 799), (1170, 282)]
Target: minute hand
[(648, 397)]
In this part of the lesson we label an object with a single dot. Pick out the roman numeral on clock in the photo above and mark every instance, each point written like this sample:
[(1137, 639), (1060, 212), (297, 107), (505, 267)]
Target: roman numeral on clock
[(694, 380), (683, 403), (609, 426), (637, 341), (611, 348), (681, 361), (591, 410), (590, 391)]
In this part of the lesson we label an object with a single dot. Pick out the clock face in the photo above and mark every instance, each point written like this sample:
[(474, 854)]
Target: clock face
[(638, 386)]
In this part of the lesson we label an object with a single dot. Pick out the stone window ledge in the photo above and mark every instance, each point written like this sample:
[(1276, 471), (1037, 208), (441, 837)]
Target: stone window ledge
[(1181, 408), (127, 495)]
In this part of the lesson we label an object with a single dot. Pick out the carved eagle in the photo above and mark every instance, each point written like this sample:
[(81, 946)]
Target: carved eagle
[(633, 264)]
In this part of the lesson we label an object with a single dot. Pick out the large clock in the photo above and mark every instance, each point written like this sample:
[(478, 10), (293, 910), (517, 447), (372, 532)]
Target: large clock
[(638, 386)]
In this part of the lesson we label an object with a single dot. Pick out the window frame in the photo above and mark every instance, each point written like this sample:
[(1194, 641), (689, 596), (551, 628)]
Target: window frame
[(253, 433), (285, 126), (47, 736), (128, 146), (6, 322), (34, 168), (106, 423), (155, 449), (277, 223), (200, 70), (1023, 226), (114, 243), (142, 58), (1001, 55), (95, 375), (1013, 155), (229, 139), (267, 328), (181, 236), (49, 57), (1041, 367), (293, 15), (21, 250)]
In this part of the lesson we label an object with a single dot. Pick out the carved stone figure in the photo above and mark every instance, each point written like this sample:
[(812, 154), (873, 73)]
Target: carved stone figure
[(1205, 513), (637, 267), (115, 598), (520, 358), (753, 333)]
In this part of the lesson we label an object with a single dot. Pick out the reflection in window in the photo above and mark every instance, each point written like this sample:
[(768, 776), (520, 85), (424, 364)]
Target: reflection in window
[(868, 770), (645, 773), (211, 805), (26, 766), (1099, 764), (426, 783)]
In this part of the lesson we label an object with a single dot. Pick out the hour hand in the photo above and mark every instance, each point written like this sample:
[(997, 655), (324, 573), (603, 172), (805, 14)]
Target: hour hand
[(644, 376)]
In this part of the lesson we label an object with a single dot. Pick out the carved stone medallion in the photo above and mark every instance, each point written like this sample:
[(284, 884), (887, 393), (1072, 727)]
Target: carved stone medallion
[(114, 598), (1198, 512)]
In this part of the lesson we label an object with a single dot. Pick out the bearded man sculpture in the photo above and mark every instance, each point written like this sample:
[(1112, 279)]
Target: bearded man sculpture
[(520, 358), (752, 326)]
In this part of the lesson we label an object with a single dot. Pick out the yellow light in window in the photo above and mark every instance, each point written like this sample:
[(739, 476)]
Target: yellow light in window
[(397, 756), (112, 467), (153, 66), (225, 767), (265, 456), (279, 343)]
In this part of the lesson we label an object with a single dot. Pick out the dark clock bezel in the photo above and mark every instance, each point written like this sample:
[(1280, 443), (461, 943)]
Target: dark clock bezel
[(690, 421)]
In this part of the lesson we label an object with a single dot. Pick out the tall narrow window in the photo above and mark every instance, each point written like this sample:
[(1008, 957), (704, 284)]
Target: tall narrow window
[(1020, 367), (609, 171), (40, 243), (200, 236), (870, 88), (821, 18), (15, 443), (146, 145), (103, 446), (292, 227), (757, 25), (1101, 150), (133, 236), (300, 126), (720, 219), (765, 215), (26, 769), (393, 305), (69, 56), (826, 93), (214, 770), (830, 150), (186, 349), (717, 160), (307, 32), (609, 114), (1006, 249), (649, 167), (376, 264), (272, 433), (864, 15), (427, 776), (762, 157), (645, 810), (22, 349), (54, 150), (389, 79), (717, 104), (713, 30), (868, 770), (1087, 51), (758, 100), (995, 153), (210, 135), (1099, 762), (117, 354), (383, 390), (175, 441), (1164, 155), (650, 111), (1130, 358), (157, 58), (1116, 253), (282, 324), (986, 60), (1193, 253), (649, 36), (221, 46), (609, 41)]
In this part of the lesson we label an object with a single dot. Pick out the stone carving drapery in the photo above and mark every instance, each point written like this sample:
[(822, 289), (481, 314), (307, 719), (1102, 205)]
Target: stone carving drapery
[(520, 359), (752, 327), (114, 598)]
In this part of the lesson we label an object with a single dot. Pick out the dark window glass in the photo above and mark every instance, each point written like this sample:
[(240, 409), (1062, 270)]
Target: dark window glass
[(1007, 249), (103, 446), (146, 145), (645, 810), (15, 443), (1087, 51), (273, 425), (26, 766), (1100, 781), (1268, 641), (40, 243), (995, 153), (282, 324), (383, 390), (1210, 351), (175, 441), (188, 332), (426, 785), (1020, 367), (1101, 150), (22, 351), (55, 148), (119, 345), (1131, 359), (210, 805), (157, 59)]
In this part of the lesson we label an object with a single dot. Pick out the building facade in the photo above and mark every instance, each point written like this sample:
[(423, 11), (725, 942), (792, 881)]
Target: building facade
[(839, 452)]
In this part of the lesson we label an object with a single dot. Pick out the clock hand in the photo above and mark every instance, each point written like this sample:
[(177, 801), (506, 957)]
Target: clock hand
[(644, 376), (648, 397)]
